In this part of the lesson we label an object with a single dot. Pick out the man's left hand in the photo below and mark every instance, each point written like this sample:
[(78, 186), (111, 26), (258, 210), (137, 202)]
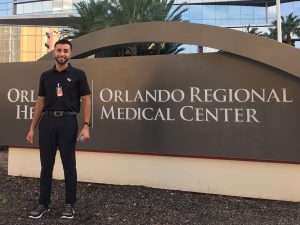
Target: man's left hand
[(84, 134)]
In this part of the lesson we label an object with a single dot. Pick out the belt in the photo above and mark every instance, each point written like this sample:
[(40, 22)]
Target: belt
[(59, 113)]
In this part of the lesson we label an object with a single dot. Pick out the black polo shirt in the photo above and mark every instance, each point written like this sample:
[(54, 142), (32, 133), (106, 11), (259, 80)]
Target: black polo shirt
[(74, 85)]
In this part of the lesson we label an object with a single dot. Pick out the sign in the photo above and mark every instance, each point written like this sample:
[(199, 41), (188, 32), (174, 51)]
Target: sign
[(203, 105)]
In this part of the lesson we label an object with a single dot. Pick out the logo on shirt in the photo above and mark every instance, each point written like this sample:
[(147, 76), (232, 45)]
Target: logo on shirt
[(69, 79)]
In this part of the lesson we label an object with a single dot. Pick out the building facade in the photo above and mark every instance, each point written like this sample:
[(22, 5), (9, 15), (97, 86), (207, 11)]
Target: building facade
[(29, 28)]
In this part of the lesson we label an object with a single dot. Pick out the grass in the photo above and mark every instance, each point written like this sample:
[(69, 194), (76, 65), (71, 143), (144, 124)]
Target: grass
[(3, 199), (3, 148)]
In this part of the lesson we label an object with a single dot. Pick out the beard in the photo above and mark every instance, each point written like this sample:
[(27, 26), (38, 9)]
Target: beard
[(62, 61)]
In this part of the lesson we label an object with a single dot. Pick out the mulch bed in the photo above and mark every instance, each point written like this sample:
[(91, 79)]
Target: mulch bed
[(134, 205)]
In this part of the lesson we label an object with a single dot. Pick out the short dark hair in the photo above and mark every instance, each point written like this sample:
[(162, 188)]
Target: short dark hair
[(62, 42)]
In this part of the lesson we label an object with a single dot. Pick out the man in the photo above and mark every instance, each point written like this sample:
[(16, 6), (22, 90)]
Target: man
[(60, 91)]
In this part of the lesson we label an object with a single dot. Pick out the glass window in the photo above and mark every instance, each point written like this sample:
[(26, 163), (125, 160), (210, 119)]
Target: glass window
[(247, 22), (28, 8), (45, 30), (37, 7), (15, 43), (38, 31), (16, 31), (185, 51), (1, 57), (234, 22), (3, 13), (272, 12), (6, 56), (247, 12), (3, 6), (218, 23), (287, 8), (15, 57), (221, 23), (47, 6), (209, 50), (259, 21), (4, 9), (74, 2), (209, 12), (209, 22), (39, 44), (297, 8), (197, 21), (234, 12), (211, 0), (6, 43), (179, 1), (67, 4), (57, 5), (196, 12), (30, 31), (222, 12), (259, 12), (10, 12), (184, 16), (68, 11), (2, 45), (6, 30), (27, 56)]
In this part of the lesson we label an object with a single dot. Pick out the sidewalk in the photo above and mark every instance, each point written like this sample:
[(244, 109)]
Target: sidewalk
[(134, 205)]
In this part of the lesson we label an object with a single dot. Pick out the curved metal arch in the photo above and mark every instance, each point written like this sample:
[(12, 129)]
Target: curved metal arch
[(270, 52)]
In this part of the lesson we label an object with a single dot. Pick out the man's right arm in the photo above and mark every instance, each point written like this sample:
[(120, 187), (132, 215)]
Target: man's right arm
[(38, 109)]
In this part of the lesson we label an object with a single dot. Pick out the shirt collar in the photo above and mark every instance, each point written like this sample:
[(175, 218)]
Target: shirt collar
[(65, 70)]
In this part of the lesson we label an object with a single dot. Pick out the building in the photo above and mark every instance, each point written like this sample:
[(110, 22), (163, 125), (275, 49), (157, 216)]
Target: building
[(29, 28)]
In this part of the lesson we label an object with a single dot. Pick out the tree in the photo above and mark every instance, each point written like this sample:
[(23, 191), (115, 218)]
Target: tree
[(96, 15), (253, 30), (88, 12), (289, 25), (136, 11)]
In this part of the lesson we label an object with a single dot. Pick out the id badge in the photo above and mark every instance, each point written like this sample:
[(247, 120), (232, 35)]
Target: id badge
[(59, 91)]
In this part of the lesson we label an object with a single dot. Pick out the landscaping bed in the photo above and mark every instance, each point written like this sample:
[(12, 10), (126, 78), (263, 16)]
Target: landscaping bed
[(117, 204)]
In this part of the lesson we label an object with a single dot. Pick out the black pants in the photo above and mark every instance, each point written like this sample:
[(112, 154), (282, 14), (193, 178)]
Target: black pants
[(58, 133)]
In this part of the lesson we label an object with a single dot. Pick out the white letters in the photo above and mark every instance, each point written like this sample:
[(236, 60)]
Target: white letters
[(187, 113), (195, 95), (15, 95), (190, 114), (169, 98), (284, 96), (136, 113), (24, 112), (107, 91)]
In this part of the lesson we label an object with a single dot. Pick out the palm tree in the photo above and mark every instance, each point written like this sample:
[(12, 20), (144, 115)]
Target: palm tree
[(289, 25), (136, 11), (253, 30), (86, 22), (97, 14)]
